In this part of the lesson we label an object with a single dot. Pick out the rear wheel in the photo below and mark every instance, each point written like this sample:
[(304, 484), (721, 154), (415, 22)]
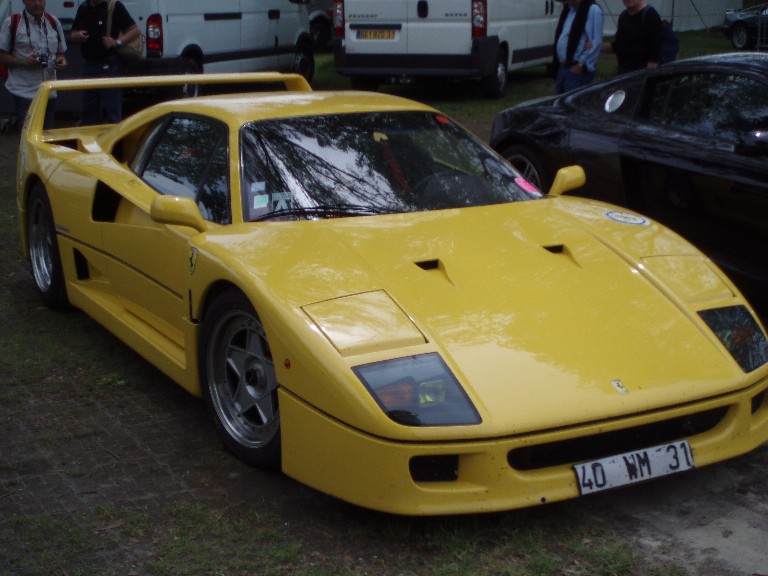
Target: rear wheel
[(44, 256), (238, 380), (740, 37), (528, 163), (304, 61), (495, 86)]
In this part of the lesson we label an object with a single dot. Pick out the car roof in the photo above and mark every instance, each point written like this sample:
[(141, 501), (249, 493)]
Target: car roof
[(752, 60), (238, 109)]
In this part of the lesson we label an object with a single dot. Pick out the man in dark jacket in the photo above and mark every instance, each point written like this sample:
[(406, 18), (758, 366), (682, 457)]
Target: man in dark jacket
[(99, 57), (637, 43)]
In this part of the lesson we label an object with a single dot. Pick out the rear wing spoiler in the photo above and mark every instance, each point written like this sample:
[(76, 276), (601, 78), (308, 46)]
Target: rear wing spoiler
[(242, 82)]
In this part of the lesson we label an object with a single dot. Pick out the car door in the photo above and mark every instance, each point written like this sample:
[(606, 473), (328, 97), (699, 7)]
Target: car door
[(595, 121), (214, 26), (183, 156), (696, 126)]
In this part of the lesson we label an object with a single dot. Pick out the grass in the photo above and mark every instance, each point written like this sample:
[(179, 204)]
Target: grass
[(59, 373)]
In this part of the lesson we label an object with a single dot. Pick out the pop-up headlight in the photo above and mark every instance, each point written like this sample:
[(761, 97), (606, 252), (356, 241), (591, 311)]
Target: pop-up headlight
[(740, 333), (418, 391)]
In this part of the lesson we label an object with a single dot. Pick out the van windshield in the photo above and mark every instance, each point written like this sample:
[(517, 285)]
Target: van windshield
[(357, 164)]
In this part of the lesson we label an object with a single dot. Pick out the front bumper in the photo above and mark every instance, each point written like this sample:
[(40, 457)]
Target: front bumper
[(377, 473)]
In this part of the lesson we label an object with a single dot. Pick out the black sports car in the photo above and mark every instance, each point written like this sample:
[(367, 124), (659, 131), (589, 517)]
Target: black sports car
[(685, 143), (746, 27)]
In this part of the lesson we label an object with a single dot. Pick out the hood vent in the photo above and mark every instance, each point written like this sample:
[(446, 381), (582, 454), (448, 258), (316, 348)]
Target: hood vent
[(436, 265)]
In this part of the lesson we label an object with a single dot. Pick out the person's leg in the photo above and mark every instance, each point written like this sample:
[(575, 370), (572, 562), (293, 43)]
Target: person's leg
[(112, 100), (50, 115), (91, 99), (22, 107), (562, 73)]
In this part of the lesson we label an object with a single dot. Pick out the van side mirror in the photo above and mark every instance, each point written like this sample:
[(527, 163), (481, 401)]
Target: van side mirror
[(567, 179)]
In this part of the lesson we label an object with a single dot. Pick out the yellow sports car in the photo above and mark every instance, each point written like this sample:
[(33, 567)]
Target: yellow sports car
[(372, 300)]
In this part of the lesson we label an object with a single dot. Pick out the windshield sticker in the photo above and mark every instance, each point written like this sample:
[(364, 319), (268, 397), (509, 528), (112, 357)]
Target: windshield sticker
[(260, 201), (627, 218)]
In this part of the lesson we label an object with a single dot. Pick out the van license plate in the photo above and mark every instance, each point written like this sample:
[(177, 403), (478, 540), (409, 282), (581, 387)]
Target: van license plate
[(633, 467), (375, 34)]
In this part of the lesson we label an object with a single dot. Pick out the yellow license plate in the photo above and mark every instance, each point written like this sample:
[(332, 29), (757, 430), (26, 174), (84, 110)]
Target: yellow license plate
[(375, 34)]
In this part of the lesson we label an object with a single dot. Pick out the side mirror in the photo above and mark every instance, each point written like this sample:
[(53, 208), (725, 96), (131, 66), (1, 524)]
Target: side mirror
[(177, 211), (567, 179)]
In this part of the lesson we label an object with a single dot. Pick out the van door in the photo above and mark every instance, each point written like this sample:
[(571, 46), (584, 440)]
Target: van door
[(287, 19), (259, 30), (439, 26), (212, 26), (377, 27)]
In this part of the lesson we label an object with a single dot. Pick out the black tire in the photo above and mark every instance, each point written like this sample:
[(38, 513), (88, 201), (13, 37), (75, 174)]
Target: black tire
[(528, 163), (495, 86), (238, 380), (43, 246), (740, 38), (304, 61)]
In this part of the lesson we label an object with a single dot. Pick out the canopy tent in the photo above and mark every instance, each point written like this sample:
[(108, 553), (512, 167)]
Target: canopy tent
[(684, 14)]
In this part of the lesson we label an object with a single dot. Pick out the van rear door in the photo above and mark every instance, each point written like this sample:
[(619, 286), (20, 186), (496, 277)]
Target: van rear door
[(377, 27), (439, 26)]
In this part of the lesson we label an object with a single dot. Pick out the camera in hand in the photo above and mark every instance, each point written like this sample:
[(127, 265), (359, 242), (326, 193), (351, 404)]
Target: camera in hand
[(42, 59)]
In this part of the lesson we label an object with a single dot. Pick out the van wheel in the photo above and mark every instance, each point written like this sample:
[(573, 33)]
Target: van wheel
[(304, 61), (191, 67), (495, 86)]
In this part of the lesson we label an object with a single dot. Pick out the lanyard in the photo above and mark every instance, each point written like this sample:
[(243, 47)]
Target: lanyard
[(45, 31)]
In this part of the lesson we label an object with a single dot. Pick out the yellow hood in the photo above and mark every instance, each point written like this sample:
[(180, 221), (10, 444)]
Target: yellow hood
[(550, 312)]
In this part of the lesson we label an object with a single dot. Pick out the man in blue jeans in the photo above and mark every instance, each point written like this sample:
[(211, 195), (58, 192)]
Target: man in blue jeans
[(100, 59), (578, 41)]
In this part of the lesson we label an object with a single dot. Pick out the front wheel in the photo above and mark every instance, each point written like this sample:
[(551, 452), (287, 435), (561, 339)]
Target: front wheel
[(740, 37), (528, 163), (238, 380), (44, 256)]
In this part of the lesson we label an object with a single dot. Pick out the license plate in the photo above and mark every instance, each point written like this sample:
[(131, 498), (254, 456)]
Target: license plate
[(375, 34), (633, 467)]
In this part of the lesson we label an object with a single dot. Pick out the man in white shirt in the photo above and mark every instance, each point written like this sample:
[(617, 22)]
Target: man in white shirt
[(33, 52)]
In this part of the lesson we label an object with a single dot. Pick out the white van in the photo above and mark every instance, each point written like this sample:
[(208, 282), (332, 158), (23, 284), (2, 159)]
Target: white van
[(185, 36), (385, 41)]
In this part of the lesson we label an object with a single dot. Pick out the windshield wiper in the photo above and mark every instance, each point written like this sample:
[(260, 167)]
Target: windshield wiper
[(325, 211)]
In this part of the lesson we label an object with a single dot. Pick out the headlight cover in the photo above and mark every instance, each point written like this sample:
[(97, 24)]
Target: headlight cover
[(418, 391), (740, 333)]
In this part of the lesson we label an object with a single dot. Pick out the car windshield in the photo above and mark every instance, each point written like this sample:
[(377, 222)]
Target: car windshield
[(373, 163)]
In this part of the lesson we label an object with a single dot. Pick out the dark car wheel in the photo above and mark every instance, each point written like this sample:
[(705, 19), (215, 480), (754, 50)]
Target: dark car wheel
[(740, 37), (44, 256), (495, 86), (528, 163), (238, 380)]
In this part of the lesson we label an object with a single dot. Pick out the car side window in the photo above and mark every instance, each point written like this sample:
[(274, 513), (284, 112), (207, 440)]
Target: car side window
[(723, 105), (188, 157), (593, 100)]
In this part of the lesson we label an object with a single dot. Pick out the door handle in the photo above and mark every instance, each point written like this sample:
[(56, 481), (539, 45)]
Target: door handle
[(422, 8), (274, 14)]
